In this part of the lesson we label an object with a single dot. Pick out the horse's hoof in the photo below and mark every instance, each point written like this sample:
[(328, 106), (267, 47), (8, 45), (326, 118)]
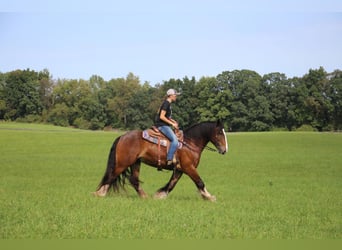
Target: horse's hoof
[(143, 195), (160, 195), (212, 198), (98, 194)]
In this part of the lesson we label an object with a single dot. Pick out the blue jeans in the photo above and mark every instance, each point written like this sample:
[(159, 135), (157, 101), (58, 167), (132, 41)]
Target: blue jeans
[(168, 132)]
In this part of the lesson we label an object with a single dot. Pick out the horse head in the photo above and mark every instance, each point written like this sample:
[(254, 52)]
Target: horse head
[(219, 139)]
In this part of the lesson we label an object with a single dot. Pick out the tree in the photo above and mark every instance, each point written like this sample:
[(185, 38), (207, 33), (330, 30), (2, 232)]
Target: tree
[(242, 99), (91, 114), (317, 102), (96, 83), (279, 92), (2, 96), (335, 97), (59, 115), (72, 93), (21, 94), (250, 109), (45, 88), (123, 92), (215, 99), (139, 116)]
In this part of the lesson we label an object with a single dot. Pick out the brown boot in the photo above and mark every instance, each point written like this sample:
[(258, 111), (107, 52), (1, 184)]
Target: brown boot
[(176, 163), (169, 163)]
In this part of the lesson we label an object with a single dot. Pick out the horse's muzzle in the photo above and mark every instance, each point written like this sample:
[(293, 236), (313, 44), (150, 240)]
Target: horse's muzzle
[(222, 151)]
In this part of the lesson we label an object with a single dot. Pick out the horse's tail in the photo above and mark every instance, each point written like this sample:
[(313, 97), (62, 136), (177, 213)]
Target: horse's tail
[(108, 178)]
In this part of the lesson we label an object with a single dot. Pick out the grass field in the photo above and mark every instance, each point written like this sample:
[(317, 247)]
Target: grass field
[(276, 185)]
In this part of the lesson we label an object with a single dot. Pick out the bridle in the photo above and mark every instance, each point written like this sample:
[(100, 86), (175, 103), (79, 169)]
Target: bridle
[(205, 147), (210, 149)]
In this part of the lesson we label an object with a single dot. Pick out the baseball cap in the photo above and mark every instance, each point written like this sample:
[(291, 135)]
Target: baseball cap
[(172, 92)]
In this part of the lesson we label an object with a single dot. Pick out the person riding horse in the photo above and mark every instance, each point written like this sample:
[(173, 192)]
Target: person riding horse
[(129, 150), (164, 122)]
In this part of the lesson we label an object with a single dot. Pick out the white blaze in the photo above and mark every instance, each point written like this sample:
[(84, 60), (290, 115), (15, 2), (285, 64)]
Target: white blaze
[(225, 138)]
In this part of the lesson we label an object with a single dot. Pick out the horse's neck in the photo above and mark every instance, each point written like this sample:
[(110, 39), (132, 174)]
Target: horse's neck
[(199, 141)]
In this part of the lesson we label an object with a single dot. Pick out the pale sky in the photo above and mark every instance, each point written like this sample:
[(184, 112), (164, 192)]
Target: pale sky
[(157, 40)]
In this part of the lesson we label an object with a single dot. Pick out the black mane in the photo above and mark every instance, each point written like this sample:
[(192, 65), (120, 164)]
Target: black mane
[(199, 129)]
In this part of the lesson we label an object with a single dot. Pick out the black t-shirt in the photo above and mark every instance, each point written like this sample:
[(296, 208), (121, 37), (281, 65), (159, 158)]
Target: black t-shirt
[(167, 107)]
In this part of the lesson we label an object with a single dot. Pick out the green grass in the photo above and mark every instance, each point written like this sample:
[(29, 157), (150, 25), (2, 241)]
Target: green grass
[(277, 185)]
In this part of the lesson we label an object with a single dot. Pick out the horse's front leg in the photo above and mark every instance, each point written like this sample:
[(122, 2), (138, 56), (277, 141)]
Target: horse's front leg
[(134, 179), (193, 174), (164, 191)]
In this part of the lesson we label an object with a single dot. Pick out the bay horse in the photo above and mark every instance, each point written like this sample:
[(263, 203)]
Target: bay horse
[(130, 149)]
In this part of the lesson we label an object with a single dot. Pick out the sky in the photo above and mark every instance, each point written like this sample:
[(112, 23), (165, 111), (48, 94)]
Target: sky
[(158, 40)]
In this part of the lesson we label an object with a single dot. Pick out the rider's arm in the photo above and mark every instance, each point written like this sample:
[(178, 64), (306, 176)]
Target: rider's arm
[(168, 121)]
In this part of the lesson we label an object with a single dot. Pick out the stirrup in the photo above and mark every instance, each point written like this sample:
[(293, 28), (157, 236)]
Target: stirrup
[(170, 163)]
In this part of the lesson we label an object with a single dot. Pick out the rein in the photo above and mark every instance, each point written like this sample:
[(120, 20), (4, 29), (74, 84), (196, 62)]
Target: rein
[(205, 147), (210, 149)]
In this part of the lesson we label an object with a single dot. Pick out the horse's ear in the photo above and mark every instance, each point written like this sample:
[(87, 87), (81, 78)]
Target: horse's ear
[(218, 123)]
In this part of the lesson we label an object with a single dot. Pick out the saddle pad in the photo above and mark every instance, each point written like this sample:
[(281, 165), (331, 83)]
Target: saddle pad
[(153, 139)]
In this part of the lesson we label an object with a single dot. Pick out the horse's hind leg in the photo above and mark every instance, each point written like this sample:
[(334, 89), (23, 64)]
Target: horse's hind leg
[(164, 191), (102, 191), (134, 179)]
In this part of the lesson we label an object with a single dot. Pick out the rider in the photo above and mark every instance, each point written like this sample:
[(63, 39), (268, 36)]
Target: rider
[(164, 122)]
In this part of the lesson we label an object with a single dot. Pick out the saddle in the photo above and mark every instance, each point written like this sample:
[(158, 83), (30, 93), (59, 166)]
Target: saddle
[(153, 135)]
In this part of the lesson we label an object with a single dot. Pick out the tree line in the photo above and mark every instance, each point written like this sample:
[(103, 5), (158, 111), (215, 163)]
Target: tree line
[(242, 99)]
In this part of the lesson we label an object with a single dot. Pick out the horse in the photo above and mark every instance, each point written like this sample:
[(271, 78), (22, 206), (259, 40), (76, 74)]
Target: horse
[(130, 149)]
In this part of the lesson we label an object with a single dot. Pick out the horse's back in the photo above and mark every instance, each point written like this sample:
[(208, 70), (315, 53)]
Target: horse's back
[(132, 138)]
